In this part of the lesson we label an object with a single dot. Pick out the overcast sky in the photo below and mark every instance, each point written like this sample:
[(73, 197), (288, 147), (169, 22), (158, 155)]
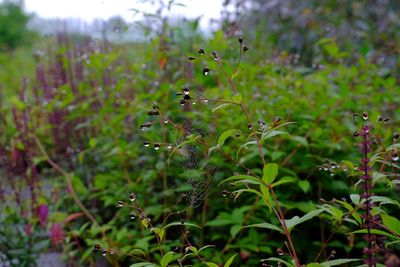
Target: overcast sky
[(88, 10)]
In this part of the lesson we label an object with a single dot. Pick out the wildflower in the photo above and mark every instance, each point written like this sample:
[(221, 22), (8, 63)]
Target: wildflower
[(43, 212), (56, 234)]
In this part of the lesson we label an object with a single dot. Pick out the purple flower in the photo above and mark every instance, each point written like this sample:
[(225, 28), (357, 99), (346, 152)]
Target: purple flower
[(56, 233), (43, 212), (28, 229)]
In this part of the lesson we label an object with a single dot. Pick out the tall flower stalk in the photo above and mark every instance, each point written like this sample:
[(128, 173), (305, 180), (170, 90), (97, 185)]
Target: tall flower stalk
[(366, 180)]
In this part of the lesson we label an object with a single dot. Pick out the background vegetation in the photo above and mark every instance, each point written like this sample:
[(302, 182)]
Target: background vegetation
[(272, 141)]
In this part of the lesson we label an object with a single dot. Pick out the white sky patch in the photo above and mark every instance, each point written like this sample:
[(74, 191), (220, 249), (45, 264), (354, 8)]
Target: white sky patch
[(88, 10)]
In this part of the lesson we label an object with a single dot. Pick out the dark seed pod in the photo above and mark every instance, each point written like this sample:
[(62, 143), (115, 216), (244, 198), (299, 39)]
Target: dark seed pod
[(156, 107), (240, 39), (191, 58), (182, 102), (201, 51), (146, 144), (153, 112), (380, 118), (365, 115), (396, 136), (96, 247), (186, 91), (245, 48), (386, 120), (356, 134), (156, 146), (186, 97), (215, 55), (206, 71)]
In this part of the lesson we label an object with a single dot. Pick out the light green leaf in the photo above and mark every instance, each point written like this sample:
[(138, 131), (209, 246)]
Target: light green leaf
[(270, 171), (267, 226), (225, 135), (304, 185), (210, 264), (375, 232), (235, 230), (143, 264), (337, 262), (392, 223), (220, 107), (284, 180), (248, 178), (238, 99), (166, 259), (229, 262), (180, 224), (291, 223), (78, 185)]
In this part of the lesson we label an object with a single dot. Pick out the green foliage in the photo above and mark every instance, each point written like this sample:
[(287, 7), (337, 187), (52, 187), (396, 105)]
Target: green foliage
[(258, 157), (13, 27)]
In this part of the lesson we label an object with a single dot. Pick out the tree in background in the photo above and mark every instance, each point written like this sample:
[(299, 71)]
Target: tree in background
[(13, 26)]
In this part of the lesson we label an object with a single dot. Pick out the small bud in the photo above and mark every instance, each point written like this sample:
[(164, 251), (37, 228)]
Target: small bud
[(156, 107), (249, 126), (206, 71), (215, 55), (386, 120), (120, 204), (396, 136), (96, 247), (380, 118), (201, 51), (156, 146), (146, 144), (356, 134), (395, 156), (132, 197), (182, 102), (191, 58), (240, 39), (186, 97), (153, 112), (365, 115), (186, 91), (245, 48)]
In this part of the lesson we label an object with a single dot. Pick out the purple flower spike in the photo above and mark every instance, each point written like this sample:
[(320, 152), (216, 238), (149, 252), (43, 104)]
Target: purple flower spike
[(56, 234), (43, 212)]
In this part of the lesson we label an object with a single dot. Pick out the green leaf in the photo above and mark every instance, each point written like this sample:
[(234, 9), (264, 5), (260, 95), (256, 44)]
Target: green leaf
[(247, 178), (210, 264), (229, 262), (291, 223), (180, 224), (270, 171), (375, 232), (337, 262), (267, 226), (235, 229), (143, 264), (392, 223), (166, 259), (284, 180), (304, 185), (238, 99), (225, 135), (220, 107), (78, 185)]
